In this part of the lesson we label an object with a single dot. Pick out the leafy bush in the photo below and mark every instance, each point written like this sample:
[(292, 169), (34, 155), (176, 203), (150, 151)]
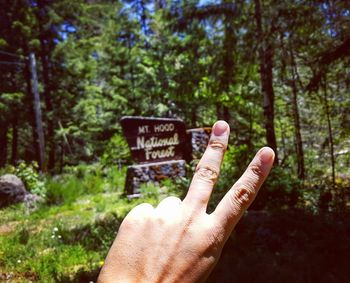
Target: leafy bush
[(116, 152), (150, 190), (84, 179), (320, 195), (235, 161), (65, 190), (280, 191), (29, 174)]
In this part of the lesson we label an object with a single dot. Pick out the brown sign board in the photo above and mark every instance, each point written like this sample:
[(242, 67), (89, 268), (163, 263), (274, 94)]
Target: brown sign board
[(155, 139)]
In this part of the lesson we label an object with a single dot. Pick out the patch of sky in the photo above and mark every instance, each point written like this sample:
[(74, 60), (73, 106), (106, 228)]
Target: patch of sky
[(33, 3), (64, 31), (214, 29), (95, 55), (208, 2), (326, 9)]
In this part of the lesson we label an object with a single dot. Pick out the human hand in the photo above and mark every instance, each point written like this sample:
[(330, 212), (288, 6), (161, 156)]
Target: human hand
[(178, 241)]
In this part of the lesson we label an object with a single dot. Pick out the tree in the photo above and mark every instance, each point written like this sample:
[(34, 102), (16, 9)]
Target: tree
[(266, 51)]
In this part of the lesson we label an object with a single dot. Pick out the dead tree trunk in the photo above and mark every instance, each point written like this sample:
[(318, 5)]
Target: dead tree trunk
[(37, 110)]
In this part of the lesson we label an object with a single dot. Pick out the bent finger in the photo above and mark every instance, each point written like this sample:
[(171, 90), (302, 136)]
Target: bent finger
[(243, 192), (208, 168), (168, 204), (141, 211)]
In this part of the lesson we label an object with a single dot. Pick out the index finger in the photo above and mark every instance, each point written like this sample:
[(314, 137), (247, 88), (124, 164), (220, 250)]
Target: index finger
[(208, 168), (243, 192)]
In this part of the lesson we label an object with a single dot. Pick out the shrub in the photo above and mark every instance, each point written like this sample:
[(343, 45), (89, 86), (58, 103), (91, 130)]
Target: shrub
[(28, 173), (280, 191), (116, 152), (84, 179), (65, 190)]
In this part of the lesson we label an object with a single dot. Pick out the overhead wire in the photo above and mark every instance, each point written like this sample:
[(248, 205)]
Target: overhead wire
[(11, 54), (11, 63)]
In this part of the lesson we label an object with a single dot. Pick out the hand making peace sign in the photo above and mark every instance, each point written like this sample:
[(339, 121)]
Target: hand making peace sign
[(178, 241)]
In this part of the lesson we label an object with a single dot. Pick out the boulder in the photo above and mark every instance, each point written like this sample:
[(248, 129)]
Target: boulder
[(12, 190)]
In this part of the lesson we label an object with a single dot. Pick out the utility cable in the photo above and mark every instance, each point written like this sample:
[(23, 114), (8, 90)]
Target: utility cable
[(11, 54), (11, 63)]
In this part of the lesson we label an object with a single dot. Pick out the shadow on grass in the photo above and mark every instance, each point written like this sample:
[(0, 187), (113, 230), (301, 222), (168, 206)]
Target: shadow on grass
[(96, 236), (82, 276), (289, 246)]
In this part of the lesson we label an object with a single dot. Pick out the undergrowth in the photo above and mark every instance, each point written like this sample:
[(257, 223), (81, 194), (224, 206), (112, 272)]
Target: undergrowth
[(67, 238)]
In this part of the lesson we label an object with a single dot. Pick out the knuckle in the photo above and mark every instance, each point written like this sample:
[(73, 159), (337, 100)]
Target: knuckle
[(241, 197), (172, 199), (141, 210), (168, 202), (214, 241), (256, 171), (207, 174), (217, 145)]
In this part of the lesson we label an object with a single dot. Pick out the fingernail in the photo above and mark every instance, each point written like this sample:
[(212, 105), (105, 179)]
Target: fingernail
[(220, 128), (266, 154)]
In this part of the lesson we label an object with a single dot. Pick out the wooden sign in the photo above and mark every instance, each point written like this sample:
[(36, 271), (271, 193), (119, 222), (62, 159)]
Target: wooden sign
[(155, 139)]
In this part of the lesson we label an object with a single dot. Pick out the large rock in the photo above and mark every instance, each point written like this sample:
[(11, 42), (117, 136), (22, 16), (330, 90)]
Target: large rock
[(12, 190)]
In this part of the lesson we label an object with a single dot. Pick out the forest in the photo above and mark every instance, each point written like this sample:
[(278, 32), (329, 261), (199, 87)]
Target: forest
[(277, 71)]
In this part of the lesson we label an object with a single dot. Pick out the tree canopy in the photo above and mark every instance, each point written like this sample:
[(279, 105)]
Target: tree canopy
[(277, 71)]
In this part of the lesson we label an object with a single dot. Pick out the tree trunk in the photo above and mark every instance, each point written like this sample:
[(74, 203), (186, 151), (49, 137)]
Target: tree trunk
[(49, 112), (227, 78), (296, 118), (266, 77), (45, 51), (38, 115), (330, 131), (14, 150), (3, 144), (32, 152), (218, 111)]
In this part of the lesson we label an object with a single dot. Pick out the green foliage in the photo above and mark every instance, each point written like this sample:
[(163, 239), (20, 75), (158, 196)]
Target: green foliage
[(280, 191), (100, 60), (67, 238), (29, 174), (149, 190), (234, 161), (83, 180), (116, 151)]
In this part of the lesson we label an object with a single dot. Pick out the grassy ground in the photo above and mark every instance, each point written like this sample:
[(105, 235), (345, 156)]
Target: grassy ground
[(57, 244), (67, 238)]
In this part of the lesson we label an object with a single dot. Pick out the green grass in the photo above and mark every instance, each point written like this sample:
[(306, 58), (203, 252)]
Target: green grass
[(67, 238)]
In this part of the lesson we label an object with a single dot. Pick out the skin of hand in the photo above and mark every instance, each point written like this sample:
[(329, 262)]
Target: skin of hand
[(178, 241)]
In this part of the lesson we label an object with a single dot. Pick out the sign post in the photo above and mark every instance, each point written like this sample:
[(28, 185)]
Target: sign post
[(159, 145), (155, 139)]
